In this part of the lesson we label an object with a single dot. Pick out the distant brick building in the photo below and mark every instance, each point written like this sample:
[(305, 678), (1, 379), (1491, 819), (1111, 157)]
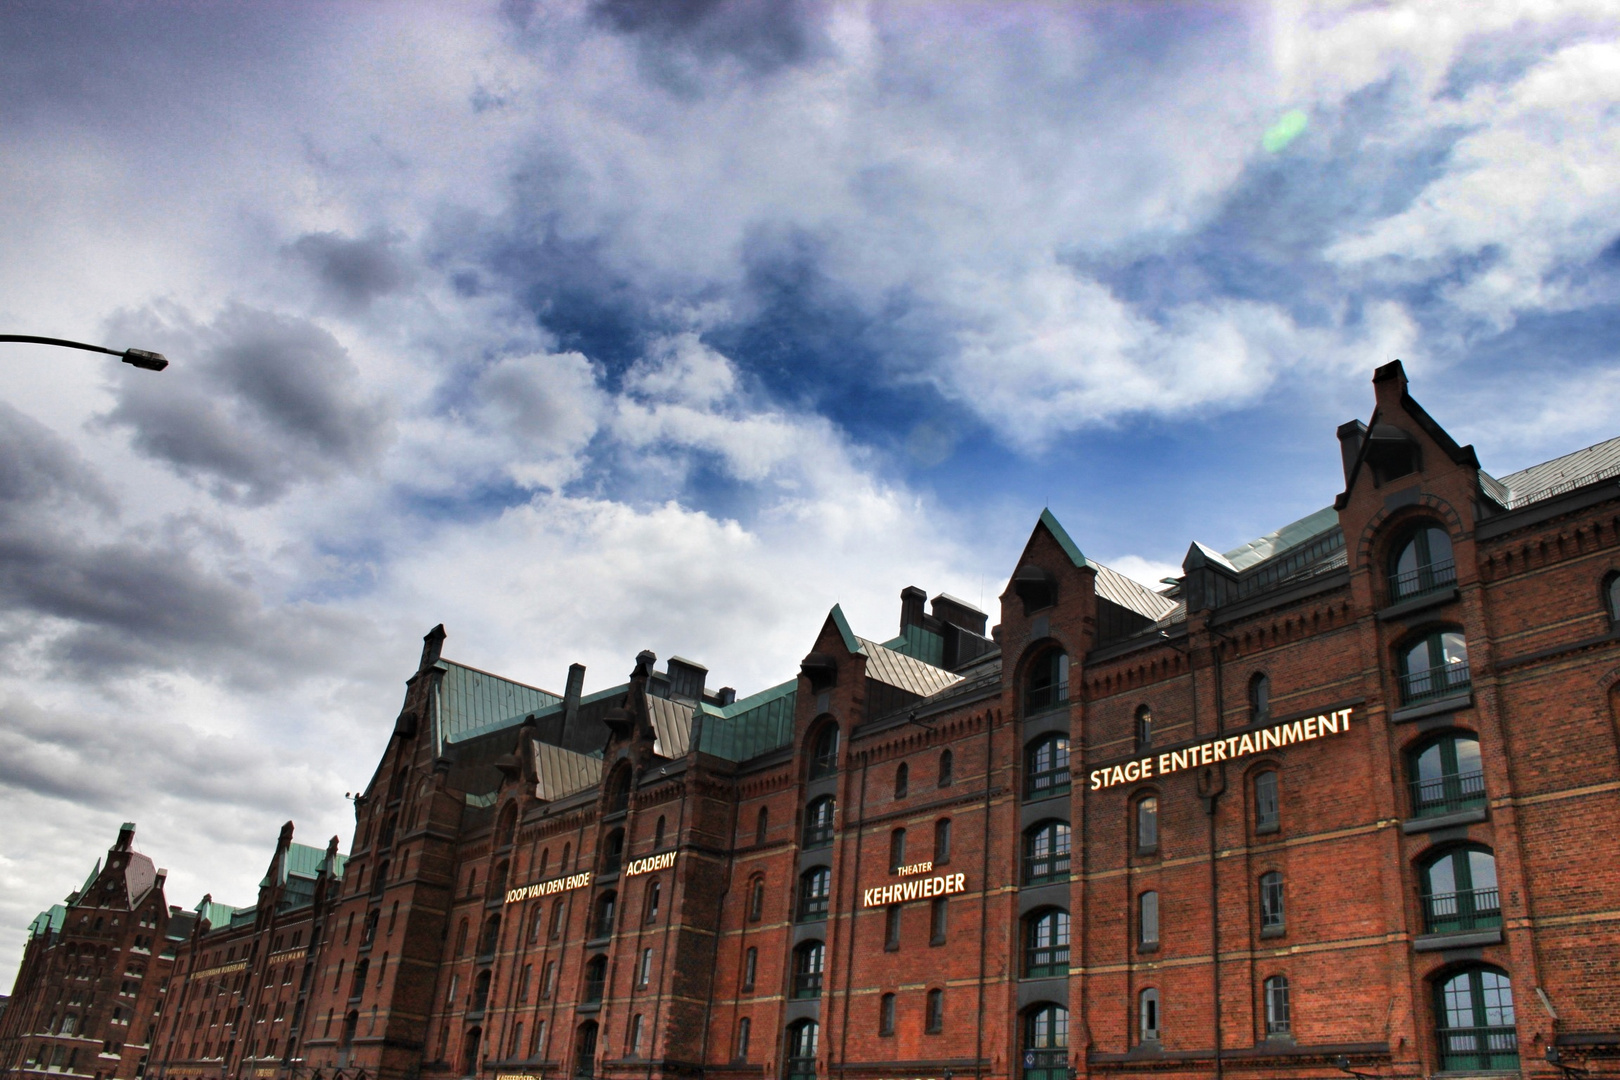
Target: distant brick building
[(1345, 798)]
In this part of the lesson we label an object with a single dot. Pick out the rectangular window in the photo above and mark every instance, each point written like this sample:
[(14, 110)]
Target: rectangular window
[(891, 927), (886, 1015), (644, 973), (897, 850), (1147, 825), (750, 962), (936, 1012), (1148, 1010), (743, 1027), (1271, 903), (523, 982), (942, 841), (549, 985), (634, 1042), (936, 921), (1147, 922), (1267, 815)]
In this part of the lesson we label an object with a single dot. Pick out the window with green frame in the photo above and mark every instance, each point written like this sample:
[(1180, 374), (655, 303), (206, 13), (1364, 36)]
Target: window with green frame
[(1046, 944), (1422, 564), (1475, 1023), (1046, 853), (1446, 775), (1046, 767), (1459, 891), (1434, 666), (1046, 1043), (1047, 684)]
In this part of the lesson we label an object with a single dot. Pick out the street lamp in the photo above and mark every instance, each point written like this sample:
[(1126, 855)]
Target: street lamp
[(150, 361)]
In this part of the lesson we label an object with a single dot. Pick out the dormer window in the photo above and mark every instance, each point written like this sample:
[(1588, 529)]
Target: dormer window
[(1422, 564)]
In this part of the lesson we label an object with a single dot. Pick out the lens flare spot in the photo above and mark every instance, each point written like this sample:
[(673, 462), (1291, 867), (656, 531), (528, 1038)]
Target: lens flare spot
[(1287, 128)]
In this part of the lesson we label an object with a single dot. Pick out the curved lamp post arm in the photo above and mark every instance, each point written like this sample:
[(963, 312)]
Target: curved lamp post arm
[(140, 358)]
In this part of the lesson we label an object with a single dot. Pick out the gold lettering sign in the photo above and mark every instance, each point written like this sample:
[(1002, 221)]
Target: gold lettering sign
[(286, 954), (916, 889), (915, 869), (1227, 749), (650, 863), (223, 969), (546, 888)]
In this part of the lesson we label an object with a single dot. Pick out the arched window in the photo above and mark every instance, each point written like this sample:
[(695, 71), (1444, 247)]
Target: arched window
[(1611, 597), (762, 825), (658, 834), (897, 850), (891, 927), (937, 916), (824, 751), (497, 880), (1434, 665), (818, 822), (1046, 853), (1046, 767), (947, 767), (556, 920), (584, 1049), (595, 977), (1147, 920), (942, 841), (563, 866), (1267, 812), (536, 918), (508, 826), (934, 1017), (808, 960), (902, 780), (756, 899), (1459, 891), (1447, 775), (491, 936), (1259, 696), (1147, 1015), (744, 1029), (1422, 563), (1147, 825), (480, 991), (802, 1037), (1144, 729), (1046, 1043), (537, 1046), (613, 852), (815, 891), (654, 888), (1046, 944), (886, 1015), (1047, 684), (545, 862), (461, 939), (632, 1042), (358, 985), (1277, 1013), (516, 1046), (1272, 918), (750, 967), (602, 924), (1474, 1011)]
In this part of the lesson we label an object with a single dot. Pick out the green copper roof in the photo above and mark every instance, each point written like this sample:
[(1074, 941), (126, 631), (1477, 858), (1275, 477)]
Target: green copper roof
[(920, 644), (305, 862), (95, 872), (472, 702), (851, 642), (750, 726), (50, 921), (1061, 535)]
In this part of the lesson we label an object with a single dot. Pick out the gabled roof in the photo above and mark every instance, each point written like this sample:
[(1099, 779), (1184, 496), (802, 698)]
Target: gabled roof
[(563, 772), (471, 702), (305, 862), (1061, 535), (896, 669), (218, 915), (1597, 462)]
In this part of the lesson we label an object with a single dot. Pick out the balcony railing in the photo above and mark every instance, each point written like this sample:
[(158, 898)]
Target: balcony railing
[(807, 984), (1448, 793), (1043, 963), (816, 836), (1039, 699), (1435, 682), (1038, 870), (1049, 782), (1468, 1048), (1425, 579), (801, 1068), (1477, 909), (593, 989), (812, 908), (1046, 1064)]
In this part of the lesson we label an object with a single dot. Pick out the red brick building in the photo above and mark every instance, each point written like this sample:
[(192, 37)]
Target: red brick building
[(1346, 798)]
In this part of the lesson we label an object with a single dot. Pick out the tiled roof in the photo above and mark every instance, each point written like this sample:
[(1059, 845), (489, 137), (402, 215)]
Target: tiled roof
[(907, 673), (563, 772), (472, 702)]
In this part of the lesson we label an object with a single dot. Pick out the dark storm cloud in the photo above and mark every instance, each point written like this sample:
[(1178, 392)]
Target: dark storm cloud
[(254, 404), (353, 272), (140, 600), (762, 37)]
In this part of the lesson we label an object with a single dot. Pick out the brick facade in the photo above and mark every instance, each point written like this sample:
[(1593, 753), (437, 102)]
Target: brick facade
[(1347, 798)]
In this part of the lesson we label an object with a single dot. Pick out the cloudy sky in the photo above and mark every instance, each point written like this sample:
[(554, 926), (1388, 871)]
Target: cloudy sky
[(587, 327)]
